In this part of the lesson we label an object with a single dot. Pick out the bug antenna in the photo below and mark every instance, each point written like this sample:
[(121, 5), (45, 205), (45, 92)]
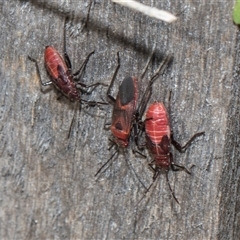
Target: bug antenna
[(144, 102), (147, 64), (161, 68), (99, 170), (113, 78), (64, 35), (149, 60), (172, 192), (169, 102), (84, 25), (148, 92)]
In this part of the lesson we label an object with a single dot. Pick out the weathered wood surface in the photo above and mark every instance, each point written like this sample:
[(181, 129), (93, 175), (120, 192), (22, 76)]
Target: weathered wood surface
[(47, 184)]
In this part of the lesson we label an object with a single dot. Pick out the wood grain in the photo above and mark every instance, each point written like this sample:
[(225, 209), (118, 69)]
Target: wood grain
[(47, 184)]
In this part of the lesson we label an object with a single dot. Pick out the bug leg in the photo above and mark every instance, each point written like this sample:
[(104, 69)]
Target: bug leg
[(38, 72), (92, 85), (162, 67), (147, 64), (68, 62), (148, 92), (141, 129), (113, 78), (177, 145), (106, 124), (65, 55), (172, 192), (87, 18), (155, 176), (82, 68), (141, 126), (169, 101), (142, 145), (135, 131), (99, 170), (179, 168), (136, 151), (93, 103), (136, 140), (176, 167), (112, 144), (157, 173), (132, 168), (143, 103), (182, 149), (74, 115), (59, 96), (154, 170)]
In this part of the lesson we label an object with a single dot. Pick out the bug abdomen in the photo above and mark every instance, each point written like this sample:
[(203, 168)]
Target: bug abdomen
[(60, 75), (157, 123), (52, 61)]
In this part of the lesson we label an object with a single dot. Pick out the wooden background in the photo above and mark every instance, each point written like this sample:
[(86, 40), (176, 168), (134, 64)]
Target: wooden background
[(47, 184)]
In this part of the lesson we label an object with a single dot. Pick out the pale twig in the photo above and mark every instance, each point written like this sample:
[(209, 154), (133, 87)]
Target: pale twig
[(150, 11)]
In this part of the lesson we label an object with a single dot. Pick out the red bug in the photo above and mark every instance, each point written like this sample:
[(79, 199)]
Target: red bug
[(123, 110), (60, 72), (125, 106), (125, 116), (158, 140)]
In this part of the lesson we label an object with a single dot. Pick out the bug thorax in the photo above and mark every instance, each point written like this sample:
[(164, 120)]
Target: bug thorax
[(161, 154), (162, 161), (68, 86), (74, 97), (122, 143), (70, 93)]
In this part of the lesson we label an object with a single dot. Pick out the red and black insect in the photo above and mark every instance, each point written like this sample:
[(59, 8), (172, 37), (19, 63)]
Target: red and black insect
[(158, 140), (124, 110), (62, 77), (125, 116)]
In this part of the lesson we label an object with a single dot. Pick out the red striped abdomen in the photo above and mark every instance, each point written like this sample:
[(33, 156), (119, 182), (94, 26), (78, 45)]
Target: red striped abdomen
[(60, 76), (52, 61), (157, 123)]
